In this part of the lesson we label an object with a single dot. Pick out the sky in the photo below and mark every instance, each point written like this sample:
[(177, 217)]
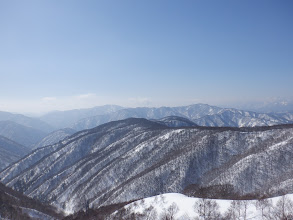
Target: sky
[(66, 54)]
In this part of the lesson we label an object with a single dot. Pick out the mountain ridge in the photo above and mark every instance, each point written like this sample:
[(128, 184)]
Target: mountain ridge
[(112, 162), (54, 137), (10, 152), (26, 121), (200, 114), (21, 134), (64, 119)]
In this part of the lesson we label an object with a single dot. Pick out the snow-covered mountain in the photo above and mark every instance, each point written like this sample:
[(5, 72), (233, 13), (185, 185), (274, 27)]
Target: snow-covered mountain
[(200, 114), (64, 119), (240, 118), (33, 123), (10, 152), (188, 112), (273, 105), (16, 206), (136, 158), (21, 134), (55, 137), (176, 121)]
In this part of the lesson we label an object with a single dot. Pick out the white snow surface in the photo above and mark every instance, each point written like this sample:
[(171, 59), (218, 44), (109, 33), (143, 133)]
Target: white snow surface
[(186, 204), (34, 214)]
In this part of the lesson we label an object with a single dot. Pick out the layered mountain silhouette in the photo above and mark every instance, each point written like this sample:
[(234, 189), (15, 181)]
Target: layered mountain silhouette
[(64, 119), (30, 122), (21, 134), (55, 137), (175, 121), (136, 158), (200, 114), (10, 152)]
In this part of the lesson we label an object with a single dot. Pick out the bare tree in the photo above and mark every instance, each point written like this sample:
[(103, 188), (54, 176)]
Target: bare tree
[(237, 210), (244, 206), (162, 198), (207, 209), (170, 213), (234, 211), (127, 213), (135, 204), (153, 215), (142, 202), (150, 213), (283, 208), (265, 206)]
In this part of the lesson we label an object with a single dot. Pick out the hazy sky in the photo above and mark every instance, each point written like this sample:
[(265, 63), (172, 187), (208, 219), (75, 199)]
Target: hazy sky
[(63, 54)]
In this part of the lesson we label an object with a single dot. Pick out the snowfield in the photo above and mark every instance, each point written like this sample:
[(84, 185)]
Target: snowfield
[(186, 206)]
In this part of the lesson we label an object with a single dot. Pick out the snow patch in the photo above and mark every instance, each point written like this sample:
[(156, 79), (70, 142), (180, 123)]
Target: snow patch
[(185, 205)]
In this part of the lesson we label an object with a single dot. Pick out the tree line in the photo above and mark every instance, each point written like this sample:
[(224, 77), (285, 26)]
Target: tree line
[(207, 209)]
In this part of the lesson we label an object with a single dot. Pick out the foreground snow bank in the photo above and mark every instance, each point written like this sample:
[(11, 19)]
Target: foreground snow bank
[(183, 207)]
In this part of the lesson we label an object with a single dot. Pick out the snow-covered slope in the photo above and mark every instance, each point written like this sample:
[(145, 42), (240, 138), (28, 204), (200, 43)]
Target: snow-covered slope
[(180, 207), (200, 114), (239, 118), (55, 137), (10, 152), (176, 121), (21, 134), (136, 158), (16, 206)]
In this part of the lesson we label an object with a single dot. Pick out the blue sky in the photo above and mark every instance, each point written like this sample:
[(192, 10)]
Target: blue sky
[(73, 54)]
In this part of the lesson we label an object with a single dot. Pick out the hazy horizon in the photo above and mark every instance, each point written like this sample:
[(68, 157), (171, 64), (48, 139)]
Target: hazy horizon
[(50, 104), (247, 106), (61, 55)]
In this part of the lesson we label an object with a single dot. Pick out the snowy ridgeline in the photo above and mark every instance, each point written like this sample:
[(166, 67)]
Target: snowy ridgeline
[(180, 207)]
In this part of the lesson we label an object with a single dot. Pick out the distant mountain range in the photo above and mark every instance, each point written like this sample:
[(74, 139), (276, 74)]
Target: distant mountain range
[(34, 133), (24, 135), (199, 150), (65, 119), (200, 114), (34, 123), (136, 158), (10, 152), (269, 106)]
